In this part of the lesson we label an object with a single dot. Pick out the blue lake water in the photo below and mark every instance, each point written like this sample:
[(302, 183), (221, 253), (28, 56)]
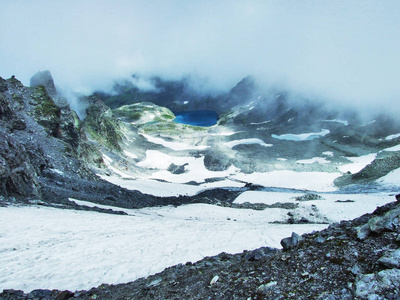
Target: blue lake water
[(204, 118)]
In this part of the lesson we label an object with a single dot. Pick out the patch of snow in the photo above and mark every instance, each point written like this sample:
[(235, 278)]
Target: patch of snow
[(57, 171), (369, 123), (281, 159), (234, 143), (173, 145), (225, 133), (159, 160), (358, 163), (302, 136), (251, 108), (130, 154), (185, 102), (107, 159), (314, 181), (196, 171), (393, 178), (328, 153), (167, 189), (332, 210), (392, 136), (260, 123), (394, 148), (344, 122), (319, 160)]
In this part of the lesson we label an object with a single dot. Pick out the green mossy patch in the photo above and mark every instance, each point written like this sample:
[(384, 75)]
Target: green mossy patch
[(46, 112), (146, 111), (103, 127)]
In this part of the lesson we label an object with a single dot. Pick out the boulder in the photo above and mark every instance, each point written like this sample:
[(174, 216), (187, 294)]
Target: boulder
[(391, 259), (372, 286), (291, 242), (175, 169)]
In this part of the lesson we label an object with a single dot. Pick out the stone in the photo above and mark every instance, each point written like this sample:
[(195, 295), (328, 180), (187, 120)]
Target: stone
[(214, 280), (379, 284), (363, 231), (391, 259), (390, 221), (64, 295), (291, 242), (40, 293), (265, 287), (175, 169)]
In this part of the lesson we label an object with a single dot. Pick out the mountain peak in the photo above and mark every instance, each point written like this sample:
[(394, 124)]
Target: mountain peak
[(45, 79)]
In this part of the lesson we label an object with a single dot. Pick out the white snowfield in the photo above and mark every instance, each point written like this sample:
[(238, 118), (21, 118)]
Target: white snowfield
[(50, 248), (344, 122), (301, 136), (247, 142), (173, 145), (319, 160), (392, 149), (314, 181), (357, 163), (165, 189), (392, 136)]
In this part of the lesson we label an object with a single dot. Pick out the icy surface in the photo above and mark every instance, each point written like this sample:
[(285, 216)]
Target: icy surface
[(234, 143), (165, 189), (302, 136), (130, 154), (344, 122), (393, 178), (65, 249), (393, 136), (332, 210), (315, 181), (394, 148), (319, 160), (173, 145), (358, 163)]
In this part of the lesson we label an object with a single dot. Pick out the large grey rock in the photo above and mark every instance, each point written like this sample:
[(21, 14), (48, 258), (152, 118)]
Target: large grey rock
[(372, 286), (291, 242), (391, 259), (388, 222), (175, 169), (45, 79)]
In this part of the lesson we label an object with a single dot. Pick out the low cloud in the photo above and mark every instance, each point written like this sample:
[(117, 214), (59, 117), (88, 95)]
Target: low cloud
[(343, 51)]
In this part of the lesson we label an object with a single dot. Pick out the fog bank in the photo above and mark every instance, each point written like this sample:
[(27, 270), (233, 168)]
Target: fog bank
[(346, 51)]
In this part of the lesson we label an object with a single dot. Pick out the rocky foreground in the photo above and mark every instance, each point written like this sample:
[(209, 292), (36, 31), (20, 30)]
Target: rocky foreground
[(357, 259)]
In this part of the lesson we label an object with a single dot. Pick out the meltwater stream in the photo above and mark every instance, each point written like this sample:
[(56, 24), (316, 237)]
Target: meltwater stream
[(204, 118)]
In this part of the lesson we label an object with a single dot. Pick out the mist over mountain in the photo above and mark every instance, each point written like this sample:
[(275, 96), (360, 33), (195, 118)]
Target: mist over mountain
[(339, 51)]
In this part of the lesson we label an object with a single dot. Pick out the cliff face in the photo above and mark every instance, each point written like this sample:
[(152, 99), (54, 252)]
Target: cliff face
[(37, 135)]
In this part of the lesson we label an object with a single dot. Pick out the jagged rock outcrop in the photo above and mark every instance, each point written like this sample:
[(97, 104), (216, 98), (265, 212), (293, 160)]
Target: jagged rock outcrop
[(101, 124), (44, 78), (36, 136), (17, 173)]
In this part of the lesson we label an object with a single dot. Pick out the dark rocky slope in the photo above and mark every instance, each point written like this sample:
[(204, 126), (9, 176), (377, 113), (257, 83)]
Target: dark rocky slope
[(357, 259)]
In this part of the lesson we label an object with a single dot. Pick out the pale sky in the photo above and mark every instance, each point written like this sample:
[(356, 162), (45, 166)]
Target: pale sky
[(348, 51)]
